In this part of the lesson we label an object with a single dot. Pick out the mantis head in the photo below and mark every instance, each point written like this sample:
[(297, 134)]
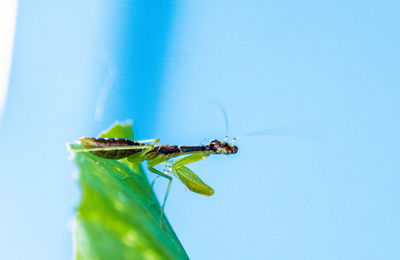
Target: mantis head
[(222, 147)]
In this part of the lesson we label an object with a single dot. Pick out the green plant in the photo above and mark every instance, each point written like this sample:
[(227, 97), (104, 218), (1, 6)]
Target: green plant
[(119, 215)]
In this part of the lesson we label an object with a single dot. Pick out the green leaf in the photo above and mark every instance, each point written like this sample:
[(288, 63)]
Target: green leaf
[(119, 214)]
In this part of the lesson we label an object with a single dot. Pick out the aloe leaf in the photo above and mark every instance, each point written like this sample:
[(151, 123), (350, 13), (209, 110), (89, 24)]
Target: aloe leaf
[(118, 216)]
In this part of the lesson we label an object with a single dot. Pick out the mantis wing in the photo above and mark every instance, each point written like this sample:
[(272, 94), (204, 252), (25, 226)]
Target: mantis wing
[(192, 181)]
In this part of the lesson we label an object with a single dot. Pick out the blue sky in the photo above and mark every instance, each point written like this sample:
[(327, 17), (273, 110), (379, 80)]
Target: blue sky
[(330, 66)]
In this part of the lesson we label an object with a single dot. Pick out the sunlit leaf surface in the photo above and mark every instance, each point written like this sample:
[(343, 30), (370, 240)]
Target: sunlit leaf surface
[(119, 215)]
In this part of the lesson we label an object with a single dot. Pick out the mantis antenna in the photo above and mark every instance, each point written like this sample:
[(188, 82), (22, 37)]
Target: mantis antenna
[(222, 109)]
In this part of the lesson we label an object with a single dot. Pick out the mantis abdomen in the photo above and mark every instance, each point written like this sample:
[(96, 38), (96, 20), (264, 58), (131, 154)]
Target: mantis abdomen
[(111, 148)]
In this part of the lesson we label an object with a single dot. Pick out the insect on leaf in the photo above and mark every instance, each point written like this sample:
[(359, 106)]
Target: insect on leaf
[(118, 216)]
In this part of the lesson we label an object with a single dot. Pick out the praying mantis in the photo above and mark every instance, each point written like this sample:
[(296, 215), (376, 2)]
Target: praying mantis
[(177, 156), (148, 150)]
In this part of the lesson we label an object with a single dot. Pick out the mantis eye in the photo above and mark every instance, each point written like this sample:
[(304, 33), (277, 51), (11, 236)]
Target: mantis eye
[(234, 149), (214, 144)]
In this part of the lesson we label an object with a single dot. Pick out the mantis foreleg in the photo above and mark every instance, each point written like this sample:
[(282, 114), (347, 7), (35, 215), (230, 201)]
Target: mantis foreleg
[(189, 178)]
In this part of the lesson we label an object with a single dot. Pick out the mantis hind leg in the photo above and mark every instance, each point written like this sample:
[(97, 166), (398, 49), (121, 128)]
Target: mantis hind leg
[(152, 169)]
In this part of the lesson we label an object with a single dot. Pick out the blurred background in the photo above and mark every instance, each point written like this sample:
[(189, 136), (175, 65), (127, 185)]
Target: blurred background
[(79, 66)]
